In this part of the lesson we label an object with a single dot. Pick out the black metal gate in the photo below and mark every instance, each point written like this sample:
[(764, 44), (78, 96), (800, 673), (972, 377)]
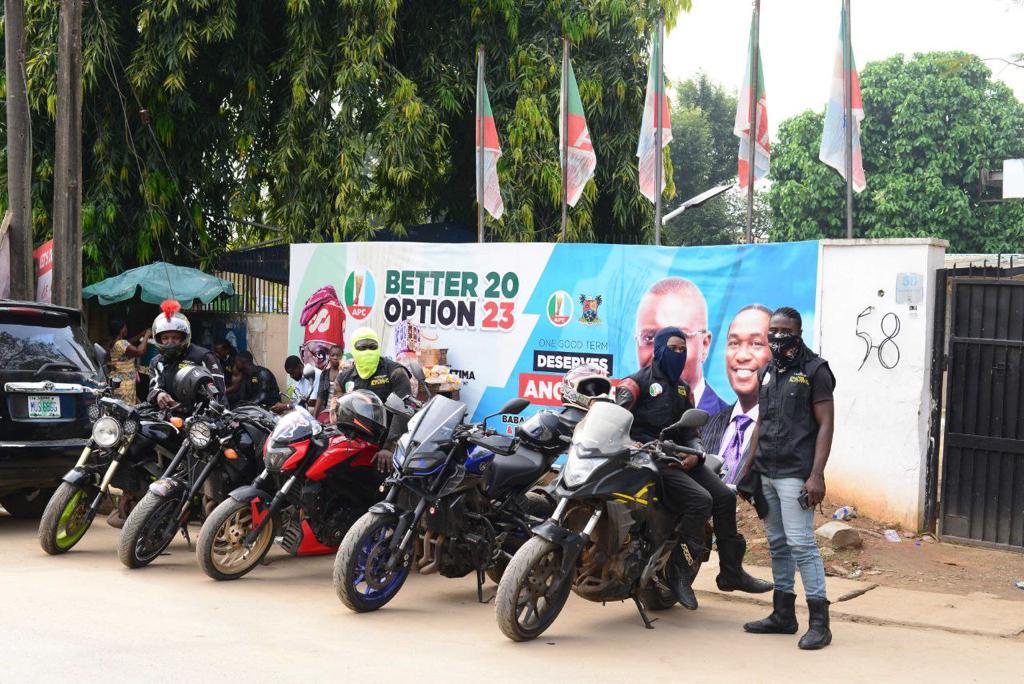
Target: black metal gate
[(983, 453)]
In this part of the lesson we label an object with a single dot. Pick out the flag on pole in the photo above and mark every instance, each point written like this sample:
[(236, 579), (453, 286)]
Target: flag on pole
[(492, 152), (741, 128), (645, 147), (581, 159), (833, 137)]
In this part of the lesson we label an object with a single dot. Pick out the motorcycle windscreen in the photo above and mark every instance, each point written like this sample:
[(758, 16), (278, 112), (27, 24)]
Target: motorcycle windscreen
[(296, 426), (601, 436), (431, 427)]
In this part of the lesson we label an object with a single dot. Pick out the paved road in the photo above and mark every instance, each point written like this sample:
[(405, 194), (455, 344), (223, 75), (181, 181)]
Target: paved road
[(85, 616)]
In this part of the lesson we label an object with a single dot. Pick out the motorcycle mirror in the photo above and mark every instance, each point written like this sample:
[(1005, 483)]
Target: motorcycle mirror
[(395, 404), (692, 418), (515, 406)]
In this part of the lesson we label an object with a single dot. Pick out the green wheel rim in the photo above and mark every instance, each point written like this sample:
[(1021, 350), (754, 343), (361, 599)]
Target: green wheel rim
[(72, 524)]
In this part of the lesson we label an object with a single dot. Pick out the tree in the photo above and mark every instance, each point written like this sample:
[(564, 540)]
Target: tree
[(703, 155), (335, 119), (931, 123)]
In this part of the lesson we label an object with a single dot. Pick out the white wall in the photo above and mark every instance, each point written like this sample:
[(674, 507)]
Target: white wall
[(267, 339), (882, 415)]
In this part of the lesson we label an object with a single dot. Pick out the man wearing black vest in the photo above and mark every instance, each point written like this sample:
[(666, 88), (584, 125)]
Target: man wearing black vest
[(657, 397), (791, 444)]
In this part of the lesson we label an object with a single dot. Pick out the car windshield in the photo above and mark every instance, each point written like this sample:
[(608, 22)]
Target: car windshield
[(29, 344)]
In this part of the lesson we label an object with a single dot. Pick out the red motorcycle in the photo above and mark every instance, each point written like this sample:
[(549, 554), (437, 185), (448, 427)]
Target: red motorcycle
[(317, 481)]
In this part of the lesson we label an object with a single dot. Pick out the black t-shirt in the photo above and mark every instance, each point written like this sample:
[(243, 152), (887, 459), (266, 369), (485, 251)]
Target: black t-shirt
[(260, 387)]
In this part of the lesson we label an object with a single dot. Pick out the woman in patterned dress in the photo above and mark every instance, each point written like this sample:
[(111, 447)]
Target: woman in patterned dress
[(123, 364)]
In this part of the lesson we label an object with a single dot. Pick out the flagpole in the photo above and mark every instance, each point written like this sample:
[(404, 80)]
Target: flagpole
[(848, 92), (565, 137), (659, 90), (480, 144), (755, 54)]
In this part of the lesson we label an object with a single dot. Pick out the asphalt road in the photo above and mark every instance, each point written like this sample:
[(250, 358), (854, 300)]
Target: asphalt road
[(84, 616)]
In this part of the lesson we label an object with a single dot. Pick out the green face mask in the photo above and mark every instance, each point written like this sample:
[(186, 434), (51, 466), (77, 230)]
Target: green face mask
[(366, 360)]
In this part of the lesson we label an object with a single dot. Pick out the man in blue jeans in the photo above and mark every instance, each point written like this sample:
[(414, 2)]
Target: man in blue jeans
[(791, 445)]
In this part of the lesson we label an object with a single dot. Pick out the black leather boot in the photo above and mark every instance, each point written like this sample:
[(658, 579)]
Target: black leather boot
[(682, 588), (731, 575), (783, 617), (818, 634)]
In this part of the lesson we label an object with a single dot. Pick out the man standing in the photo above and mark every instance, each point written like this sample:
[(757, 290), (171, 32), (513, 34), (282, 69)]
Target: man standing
[(728, 432), (791, 445), (259, 386), (677, 302), (658, 398)]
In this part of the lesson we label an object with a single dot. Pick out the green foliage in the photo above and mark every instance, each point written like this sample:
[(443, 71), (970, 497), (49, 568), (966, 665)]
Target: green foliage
[(334, 119), (930, 124)]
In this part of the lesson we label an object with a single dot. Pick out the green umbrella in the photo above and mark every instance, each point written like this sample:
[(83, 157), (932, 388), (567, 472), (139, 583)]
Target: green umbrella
[(159, 281)]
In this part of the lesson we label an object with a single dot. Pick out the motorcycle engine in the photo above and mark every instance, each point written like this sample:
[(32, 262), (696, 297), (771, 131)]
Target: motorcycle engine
[(328, 515)]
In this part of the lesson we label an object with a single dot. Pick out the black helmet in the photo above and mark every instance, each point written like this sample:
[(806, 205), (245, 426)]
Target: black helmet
[(189, 383), (540, 430), (363, 412)]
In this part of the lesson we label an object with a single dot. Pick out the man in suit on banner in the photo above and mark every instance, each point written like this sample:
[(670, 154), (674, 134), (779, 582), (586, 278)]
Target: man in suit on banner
[(728, 432)]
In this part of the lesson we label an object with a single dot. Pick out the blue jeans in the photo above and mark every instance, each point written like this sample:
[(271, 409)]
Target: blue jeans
[(790, 531)]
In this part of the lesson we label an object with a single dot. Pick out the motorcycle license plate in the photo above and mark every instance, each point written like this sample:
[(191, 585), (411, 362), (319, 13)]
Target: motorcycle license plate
[(43, 407)]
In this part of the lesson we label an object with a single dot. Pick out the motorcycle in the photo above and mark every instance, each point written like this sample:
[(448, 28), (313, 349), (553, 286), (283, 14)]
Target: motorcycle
[(314, 484), (460, 500), (223, 449), (608, 539), (127, 446)]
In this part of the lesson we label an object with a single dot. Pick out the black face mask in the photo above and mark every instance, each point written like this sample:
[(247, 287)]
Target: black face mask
[(781, 345)]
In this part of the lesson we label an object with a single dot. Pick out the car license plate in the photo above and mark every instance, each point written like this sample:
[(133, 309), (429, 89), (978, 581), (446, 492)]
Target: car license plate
[(43, 407)]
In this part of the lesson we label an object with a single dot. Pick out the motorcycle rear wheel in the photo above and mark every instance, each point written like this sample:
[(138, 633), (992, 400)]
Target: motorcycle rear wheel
[(220, 551), (144, 536), (361, 580), (533, 590), (65, 519)]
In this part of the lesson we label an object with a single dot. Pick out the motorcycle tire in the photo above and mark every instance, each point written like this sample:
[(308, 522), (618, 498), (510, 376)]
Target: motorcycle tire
[(361, 544), (538, 506), (139, 544), (65, 519), (536, 555), (219, 550)]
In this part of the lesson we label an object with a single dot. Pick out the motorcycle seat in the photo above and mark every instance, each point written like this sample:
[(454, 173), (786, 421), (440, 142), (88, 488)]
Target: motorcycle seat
[(519, 469)]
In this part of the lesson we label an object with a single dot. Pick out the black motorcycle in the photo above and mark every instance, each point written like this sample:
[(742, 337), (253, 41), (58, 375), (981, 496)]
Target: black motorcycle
[(608, 538), (223, 450), (460, 500), (127, 450)]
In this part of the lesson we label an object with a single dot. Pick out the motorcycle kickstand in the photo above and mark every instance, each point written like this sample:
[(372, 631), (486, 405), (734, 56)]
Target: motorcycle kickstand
[(648, 621), (480, 575), (184, 533)]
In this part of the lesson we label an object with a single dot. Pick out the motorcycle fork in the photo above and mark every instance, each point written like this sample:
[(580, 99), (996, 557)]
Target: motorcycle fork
[(108, 476), (405, 530), (193, 492), (275, 505), (84, 458)]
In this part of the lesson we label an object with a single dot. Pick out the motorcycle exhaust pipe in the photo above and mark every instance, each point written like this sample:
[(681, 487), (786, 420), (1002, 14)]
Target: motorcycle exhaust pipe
[(432, 550)]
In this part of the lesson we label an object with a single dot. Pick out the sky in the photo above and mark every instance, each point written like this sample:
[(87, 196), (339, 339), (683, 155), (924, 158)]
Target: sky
[(799, 40)]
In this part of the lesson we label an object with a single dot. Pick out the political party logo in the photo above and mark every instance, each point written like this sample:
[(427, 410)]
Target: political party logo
[(656, 389), (360, 291), (560, 308), (590, 306)]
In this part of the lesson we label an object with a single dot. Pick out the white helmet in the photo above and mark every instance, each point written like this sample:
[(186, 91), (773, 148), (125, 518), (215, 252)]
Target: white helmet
[(171, 320), (585, 383)]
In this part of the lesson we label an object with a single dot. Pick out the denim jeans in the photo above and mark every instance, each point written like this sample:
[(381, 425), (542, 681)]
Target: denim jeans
[(790, 531)]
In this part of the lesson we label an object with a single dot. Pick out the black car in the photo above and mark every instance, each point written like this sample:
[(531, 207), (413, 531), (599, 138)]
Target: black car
[(47, 367)]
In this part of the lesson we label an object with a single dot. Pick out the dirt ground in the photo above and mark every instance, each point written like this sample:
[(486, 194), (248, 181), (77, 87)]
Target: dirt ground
[(917, 562)]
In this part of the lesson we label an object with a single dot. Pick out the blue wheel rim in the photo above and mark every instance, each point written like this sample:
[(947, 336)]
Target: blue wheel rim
[(368, 593)]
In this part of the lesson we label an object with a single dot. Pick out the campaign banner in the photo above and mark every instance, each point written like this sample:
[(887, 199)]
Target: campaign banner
[(515, 317), (43, 257)]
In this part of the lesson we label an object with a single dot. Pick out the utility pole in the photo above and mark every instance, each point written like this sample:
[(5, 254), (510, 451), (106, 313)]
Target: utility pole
[(67, 174), (480, 137), (564, 113), (755, 68), (848, 115), (659, 100), (19, 152)]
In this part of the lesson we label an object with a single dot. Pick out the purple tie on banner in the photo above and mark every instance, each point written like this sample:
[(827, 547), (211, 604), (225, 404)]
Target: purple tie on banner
[(734, 452)]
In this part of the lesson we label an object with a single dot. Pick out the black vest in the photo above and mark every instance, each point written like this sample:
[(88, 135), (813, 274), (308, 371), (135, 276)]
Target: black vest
[(379, 383), (659, 404), (785, 446)]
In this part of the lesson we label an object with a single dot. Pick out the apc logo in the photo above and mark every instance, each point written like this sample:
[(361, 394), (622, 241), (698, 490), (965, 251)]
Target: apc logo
[(360, 291), (560, 308)]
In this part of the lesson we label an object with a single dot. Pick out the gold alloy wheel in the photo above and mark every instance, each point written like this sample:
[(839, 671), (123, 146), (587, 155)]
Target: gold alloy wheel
[(229, 555)]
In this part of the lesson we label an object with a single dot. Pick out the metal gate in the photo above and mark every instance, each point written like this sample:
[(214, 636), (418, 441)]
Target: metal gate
[(983, 456)]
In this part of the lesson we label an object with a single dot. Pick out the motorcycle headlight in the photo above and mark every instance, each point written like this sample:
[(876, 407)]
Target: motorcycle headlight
[(199, 435), (276, 456), (106, 432), (577, 470), (93, 412), (131, 427)]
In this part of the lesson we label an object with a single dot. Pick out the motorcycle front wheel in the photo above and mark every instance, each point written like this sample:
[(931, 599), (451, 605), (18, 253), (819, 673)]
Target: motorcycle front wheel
[(220, 551), (65, 519), (362, 580), (149, 529), (532, 591)]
